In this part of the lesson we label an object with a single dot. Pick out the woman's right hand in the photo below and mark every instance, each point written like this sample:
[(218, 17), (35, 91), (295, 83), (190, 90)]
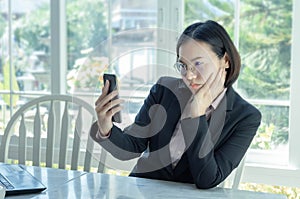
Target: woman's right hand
[(106, 106)]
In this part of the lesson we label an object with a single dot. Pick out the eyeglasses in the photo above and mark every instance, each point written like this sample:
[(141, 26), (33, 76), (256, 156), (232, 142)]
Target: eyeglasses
[(183, 68)]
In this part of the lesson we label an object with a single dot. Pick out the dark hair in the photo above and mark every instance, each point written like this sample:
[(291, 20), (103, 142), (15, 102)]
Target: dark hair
[(216, 36)]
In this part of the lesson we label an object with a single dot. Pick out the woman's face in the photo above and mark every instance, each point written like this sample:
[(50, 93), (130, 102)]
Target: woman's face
[(201, 63)]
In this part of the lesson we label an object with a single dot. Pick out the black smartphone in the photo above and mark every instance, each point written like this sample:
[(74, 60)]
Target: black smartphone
[(113, 85)]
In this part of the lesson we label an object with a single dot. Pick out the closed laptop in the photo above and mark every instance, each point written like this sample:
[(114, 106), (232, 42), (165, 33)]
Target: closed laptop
[(18, 180)]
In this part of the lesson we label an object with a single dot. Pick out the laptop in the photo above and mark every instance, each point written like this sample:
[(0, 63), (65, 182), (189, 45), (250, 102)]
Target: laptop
[(17, 180)]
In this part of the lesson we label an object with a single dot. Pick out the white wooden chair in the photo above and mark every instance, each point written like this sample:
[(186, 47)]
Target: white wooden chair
[(234, 179), (49, 131)]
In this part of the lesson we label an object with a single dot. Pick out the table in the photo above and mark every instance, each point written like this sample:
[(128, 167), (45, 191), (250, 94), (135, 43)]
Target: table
[(81, 185)]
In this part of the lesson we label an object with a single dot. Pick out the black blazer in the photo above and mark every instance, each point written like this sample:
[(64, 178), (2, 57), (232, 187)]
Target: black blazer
[(213, 148)]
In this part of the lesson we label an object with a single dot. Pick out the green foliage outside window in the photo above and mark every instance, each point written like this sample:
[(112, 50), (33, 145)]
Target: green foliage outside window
[(32, 32), (290, 192), (2, 25), (265, 43), (86, 28)]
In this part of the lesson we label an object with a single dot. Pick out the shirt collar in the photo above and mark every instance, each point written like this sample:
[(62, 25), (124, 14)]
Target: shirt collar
[(217, 101)]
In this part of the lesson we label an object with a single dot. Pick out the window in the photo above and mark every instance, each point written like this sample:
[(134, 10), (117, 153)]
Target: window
[(115, 37), (86, 30), (265, 35), (25, 53)]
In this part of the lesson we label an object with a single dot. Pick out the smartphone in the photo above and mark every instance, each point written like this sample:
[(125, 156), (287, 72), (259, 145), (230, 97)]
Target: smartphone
[(113, 85)]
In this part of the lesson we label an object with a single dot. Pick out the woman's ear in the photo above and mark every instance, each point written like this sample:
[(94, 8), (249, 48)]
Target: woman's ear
[(226, 61)]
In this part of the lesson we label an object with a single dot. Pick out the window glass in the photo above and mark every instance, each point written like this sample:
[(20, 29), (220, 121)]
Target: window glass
[(24, 52), (265, 47), (4, 70), (129, 37), (86, 35), (202, 10), (31, 44), (133, 47)]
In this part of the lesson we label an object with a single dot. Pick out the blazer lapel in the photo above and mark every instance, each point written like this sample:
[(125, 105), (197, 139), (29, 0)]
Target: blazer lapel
[(218, 120), (215, 128)]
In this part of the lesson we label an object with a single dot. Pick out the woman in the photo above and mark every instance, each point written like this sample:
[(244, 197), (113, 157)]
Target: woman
[(195, 129)]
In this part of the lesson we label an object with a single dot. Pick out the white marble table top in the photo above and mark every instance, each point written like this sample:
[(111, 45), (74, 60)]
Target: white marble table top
[(82, 185)]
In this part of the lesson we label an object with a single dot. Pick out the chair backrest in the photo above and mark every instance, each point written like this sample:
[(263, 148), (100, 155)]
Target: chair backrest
[(49, 130), (234, 179)]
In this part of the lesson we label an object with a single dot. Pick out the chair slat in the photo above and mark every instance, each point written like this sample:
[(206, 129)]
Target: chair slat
[(22, 141), (37, 137), (64, 138), (50, 136), (88, 154), (76, 141), (101, 165), (239, 173)]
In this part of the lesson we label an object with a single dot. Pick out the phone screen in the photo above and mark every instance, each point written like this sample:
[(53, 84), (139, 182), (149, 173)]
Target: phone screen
[(113, 86)]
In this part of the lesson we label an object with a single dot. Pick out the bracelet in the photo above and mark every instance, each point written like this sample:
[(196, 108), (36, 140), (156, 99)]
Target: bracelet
[(99, 136)]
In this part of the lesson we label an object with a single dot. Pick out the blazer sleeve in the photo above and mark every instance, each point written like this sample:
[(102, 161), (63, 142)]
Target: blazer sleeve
[(133, 140), (211, 167)]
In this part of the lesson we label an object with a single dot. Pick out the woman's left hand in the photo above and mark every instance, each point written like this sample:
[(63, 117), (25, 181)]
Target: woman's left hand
[(203, 98)]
